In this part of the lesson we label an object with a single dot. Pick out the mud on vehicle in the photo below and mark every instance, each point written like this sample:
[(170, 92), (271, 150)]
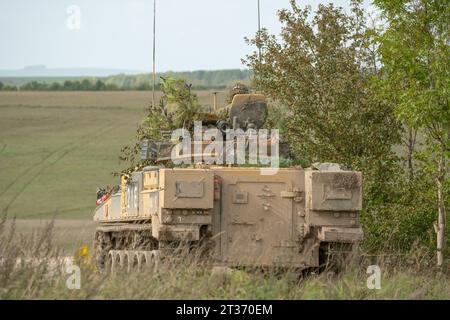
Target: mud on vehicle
[(294, 218)]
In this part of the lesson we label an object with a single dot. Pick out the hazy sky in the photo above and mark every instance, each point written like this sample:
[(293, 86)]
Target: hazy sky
[(191, 35)]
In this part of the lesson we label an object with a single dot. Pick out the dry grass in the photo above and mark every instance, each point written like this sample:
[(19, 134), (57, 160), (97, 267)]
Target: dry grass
[(67, 234), (407, 277)]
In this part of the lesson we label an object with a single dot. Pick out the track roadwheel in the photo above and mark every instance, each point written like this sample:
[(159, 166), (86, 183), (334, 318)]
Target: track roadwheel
[(150, 260), (118, 259), (136, 261), (101, 248), (132, 261), (108, 263)]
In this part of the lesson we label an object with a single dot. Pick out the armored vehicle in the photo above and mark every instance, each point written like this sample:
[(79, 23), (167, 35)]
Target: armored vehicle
[(291, 218)]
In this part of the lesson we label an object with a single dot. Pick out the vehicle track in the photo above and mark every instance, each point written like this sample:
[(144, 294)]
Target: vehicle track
[(24, 173), (64, 149), (49, 213)]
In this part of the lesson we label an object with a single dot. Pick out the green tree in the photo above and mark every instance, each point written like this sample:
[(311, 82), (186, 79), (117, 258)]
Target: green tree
[(34, 86), (10, 88), (111, 87), (85, 85), (415, 56), (321, 71), (1, 86), (143, 86), (55, 86), (68, 85), (99, 85)]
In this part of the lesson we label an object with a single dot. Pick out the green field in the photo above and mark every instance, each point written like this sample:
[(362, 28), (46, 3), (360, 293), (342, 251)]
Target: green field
[(56, 148)]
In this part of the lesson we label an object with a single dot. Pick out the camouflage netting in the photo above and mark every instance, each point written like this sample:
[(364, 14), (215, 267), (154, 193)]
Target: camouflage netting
[(239, 88)]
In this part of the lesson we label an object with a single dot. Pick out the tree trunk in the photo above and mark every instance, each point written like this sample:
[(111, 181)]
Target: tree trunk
[(411, 147), (441, 212)]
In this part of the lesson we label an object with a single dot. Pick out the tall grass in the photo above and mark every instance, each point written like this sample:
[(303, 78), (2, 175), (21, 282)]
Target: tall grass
[(32, 267)]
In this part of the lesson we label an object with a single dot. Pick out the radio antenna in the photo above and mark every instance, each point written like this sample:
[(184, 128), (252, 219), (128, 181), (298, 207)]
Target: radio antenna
[(259, 36), (154, 53), (259, 30)]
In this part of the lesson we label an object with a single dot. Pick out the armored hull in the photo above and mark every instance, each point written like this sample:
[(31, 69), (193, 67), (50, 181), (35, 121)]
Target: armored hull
[(285, 219)]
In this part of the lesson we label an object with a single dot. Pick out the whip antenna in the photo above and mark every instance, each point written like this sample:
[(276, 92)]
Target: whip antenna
[(259, 30), (154, 53), (259, 39)]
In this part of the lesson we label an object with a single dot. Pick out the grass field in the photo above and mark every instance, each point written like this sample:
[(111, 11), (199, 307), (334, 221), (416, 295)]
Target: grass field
[(56, 148)]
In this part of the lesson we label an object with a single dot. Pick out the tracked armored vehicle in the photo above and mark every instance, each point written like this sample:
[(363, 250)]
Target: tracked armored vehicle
[(292, 218)]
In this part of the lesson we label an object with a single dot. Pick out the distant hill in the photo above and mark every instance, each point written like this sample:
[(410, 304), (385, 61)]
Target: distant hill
[(199, 79)]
